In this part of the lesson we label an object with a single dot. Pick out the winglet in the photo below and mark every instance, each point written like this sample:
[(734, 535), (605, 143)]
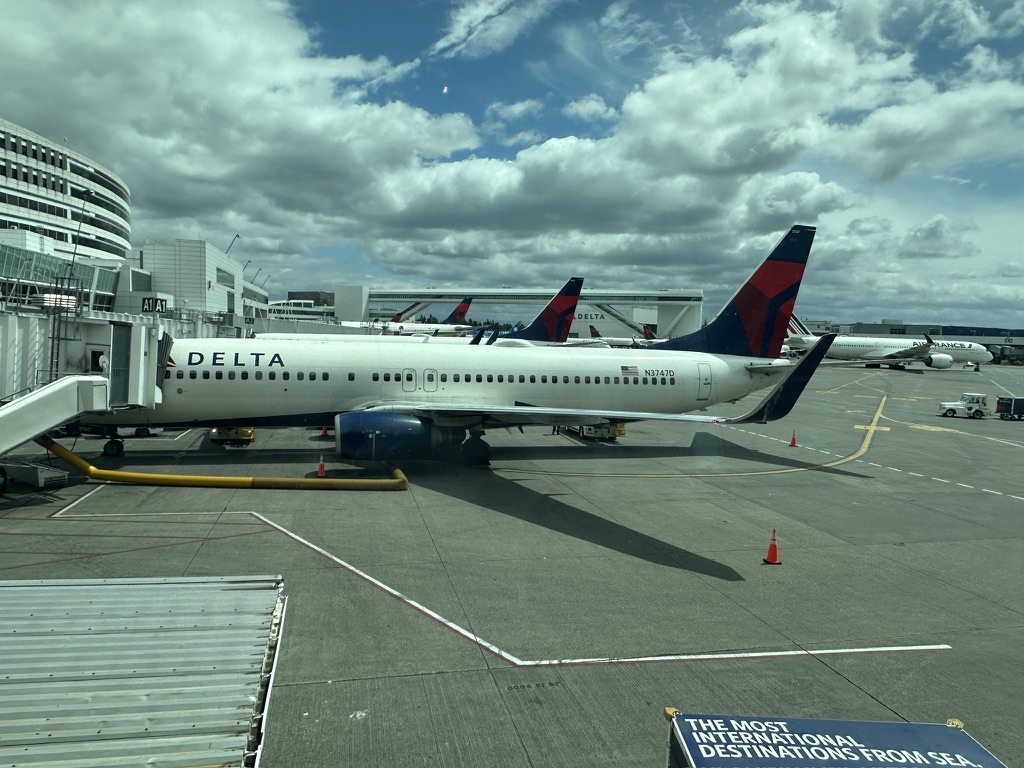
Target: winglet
[(754, 322), (478, 335), (783, 397)]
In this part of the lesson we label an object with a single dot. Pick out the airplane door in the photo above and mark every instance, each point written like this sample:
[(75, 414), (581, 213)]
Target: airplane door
[(409, 380), (703, 381), (430, 380)]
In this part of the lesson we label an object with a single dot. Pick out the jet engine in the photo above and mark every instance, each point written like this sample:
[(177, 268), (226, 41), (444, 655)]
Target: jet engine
[(381, 436), (940, 361)]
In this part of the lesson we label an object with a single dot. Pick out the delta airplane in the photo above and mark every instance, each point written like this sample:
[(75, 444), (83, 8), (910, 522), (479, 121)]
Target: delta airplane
[(624, 341), (394, 401), (896, 353), (550, 326), (454, 324)]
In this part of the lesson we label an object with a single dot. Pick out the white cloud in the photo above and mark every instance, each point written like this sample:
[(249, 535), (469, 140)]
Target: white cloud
[(478, 28), (590, 108)]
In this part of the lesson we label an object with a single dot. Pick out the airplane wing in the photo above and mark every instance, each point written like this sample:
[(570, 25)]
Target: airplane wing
[(777, 404), (915, 352)]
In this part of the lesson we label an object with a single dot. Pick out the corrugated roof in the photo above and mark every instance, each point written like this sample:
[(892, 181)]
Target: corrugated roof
[(109, 672)]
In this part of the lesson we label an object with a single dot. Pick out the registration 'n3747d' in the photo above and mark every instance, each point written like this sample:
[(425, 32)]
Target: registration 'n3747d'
[(659, 372)]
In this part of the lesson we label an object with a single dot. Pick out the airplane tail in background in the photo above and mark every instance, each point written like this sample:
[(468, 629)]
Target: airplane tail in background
[(555, 320), (796, 328), (458, 315), (594, 333), (753, 323), (648, 333)]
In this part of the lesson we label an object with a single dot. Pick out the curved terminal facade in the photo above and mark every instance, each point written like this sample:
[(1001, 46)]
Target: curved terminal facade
[(48, 189)]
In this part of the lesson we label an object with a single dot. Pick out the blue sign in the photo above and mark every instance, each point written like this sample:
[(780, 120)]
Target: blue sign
[(724, 741)]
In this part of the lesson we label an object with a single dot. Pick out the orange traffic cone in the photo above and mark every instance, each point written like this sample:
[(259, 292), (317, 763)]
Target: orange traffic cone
[(792, 440), (320, 469), (323, 432), (773, 552)]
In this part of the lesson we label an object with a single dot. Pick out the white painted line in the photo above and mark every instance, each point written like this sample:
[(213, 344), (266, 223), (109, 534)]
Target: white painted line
[(986, 490), (940, 479), (915, 474), (83, 497), (394, 593), (735, 656), (894, 469), (1021, 498), (964, 485)]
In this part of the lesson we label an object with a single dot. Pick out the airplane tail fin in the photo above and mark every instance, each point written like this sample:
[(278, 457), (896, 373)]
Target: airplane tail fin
[(594, 334), (648, 333), (458, 315), (753, 323), (797, 328), (554, 321)]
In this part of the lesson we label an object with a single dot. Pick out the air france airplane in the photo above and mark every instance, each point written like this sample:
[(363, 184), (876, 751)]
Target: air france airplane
[(393, 401), (897, 353)]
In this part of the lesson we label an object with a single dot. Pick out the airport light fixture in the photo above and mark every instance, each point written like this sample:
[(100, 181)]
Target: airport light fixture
[(230, 244)]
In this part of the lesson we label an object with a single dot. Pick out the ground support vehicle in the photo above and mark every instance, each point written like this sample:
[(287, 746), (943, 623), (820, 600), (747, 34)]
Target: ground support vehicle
[(232, 435), (1010, 407), (971, 404)]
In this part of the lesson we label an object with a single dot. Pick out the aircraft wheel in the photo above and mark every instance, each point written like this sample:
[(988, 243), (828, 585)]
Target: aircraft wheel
[(476, 451), (113, 448), (977, 415), (3, 481), (977, 369), (950, 412), (142, 432)]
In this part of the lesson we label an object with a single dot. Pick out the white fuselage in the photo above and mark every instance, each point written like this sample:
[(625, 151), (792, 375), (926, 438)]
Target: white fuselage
[(284, 381), (878, 348)]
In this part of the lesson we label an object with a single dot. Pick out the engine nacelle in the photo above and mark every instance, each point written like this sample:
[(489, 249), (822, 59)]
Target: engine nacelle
[(940, 361), (381, 436)]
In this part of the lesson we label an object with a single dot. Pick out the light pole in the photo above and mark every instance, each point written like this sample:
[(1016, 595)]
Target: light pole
[(253, 281), (64, 304), (231, 243)]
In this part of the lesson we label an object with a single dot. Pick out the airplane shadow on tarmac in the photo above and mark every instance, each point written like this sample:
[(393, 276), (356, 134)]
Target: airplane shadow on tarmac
[(508, 497), (703, 444)]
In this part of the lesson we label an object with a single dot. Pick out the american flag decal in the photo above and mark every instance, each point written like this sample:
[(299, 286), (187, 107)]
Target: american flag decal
[(630, 370)]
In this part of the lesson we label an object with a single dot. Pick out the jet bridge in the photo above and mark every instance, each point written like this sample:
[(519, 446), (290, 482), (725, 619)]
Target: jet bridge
[(131, 378)]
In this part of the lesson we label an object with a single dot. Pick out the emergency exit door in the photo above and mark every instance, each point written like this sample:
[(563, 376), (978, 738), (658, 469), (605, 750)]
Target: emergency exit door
[(703, 381)]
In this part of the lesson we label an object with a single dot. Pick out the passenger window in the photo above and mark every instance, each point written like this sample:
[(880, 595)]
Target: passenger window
[(192, 374), (543, 379), (179, 374), (430, 377), (206, 374), (325, 376), (218, 375), (636, 380), (271, 375), (576, 380), (645, 380), (285, 375), (500, 378), (607, 381), (565, 379), (672, 380), (231, 375), (408, 377), (312, 375), (490, 378), (244, 376), (533, 379), (444, 377), (455, 377), (259, 375), (299, 376), (376, 377)]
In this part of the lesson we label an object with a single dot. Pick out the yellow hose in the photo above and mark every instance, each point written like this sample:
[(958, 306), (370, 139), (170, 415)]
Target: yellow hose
[(399, 482)]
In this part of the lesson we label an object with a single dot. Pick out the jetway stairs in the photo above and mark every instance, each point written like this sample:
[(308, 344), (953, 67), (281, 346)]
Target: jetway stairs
[(50, 406)]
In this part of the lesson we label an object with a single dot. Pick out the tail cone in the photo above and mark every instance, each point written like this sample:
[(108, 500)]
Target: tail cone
[(773, 552), (321, 473)]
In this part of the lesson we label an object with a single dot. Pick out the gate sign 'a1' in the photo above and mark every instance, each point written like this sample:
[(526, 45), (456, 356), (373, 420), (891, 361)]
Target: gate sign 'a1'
[(724, 741)]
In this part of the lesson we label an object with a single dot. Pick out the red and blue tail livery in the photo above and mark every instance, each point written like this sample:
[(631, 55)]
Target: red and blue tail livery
[(754, 322), (555, 320), (458, 315)]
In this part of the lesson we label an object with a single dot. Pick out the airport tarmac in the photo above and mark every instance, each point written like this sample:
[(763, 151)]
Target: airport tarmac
[(545, 610)]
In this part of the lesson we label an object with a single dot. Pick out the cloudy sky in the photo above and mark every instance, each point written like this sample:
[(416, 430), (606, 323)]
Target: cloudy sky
[(644, 144)]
